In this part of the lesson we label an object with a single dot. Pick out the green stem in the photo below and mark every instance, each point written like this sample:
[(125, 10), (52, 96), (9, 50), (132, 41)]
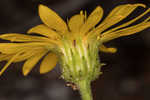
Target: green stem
[(85, 89)]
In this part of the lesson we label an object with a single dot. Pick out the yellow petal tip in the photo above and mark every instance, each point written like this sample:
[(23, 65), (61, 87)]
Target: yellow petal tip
[(41, 6), (98, 7), (141, 5), (25, 73), (112, 50), (43, 71), (1, 73)]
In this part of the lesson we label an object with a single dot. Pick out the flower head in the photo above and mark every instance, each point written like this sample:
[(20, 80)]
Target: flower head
[(75, 43)]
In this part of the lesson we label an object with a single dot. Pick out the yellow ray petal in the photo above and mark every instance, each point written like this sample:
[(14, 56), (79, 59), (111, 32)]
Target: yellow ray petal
[(107, 50), (128, 23), (22, 56), (8, 63), (45, 31), (48, 63), (76, 22), (11, 48), (5, 57), (51, 19), (27, 54), (15, 37), (124, 32), (117, 14), (92, 20), (30, 63)]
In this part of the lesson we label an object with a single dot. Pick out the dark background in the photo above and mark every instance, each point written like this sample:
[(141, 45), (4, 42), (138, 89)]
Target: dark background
[(126, 75)]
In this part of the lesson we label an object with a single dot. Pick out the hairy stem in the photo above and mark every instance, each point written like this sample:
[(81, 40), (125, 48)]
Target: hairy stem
[(85, 89)]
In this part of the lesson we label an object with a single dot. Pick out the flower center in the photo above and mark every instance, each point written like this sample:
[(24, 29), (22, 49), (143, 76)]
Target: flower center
[(79, 61)]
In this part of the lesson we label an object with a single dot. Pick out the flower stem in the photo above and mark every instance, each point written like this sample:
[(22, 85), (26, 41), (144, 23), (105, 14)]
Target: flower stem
[(85, 89)]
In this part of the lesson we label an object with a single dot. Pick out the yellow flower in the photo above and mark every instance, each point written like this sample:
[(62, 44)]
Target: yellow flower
[(55, 33)]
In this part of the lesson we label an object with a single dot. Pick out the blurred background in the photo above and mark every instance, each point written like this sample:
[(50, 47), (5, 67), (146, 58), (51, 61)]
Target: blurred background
[(125, 77)]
